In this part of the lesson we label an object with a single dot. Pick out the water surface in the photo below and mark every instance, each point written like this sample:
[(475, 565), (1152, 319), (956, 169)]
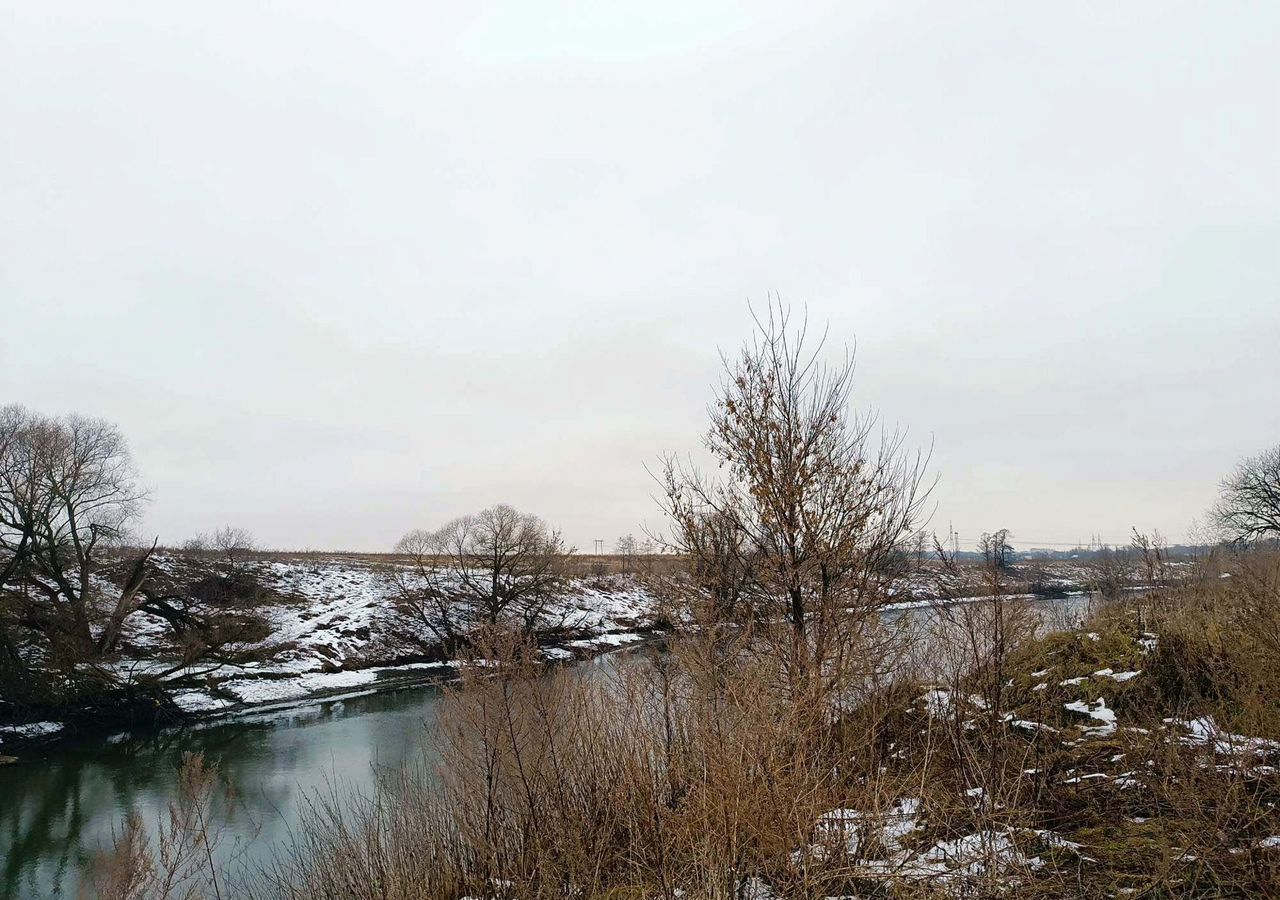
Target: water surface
[(59, 807)]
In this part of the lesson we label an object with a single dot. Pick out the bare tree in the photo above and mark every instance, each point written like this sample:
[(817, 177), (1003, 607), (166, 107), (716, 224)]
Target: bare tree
[(723, 566), (234, 545), (996, 549), (628, 548), (16, 531), (68, 493), (497, 566), (819, 499), (424, 595), (1248, 506)]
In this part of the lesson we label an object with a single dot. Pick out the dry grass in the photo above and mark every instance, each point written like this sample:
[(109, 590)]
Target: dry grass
[(705, 773)]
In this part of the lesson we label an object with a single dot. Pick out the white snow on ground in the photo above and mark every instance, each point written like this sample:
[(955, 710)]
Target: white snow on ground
[(268, 690), (1105, 673), (951, 863), (307, 684), (1205, 730), (755, 888), (332, 617), (30, 730), (605, 603), (1125, 676), (938, 703), (606, 640), (197, 701), (335, 609), (1097, 711), (923, 604), (342, 605), (850, 828), (1031, 725), (966, 858)]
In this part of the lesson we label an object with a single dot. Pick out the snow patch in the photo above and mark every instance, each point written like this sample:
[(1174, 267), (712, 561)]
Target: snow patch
[(30, 730), (1097, 711)]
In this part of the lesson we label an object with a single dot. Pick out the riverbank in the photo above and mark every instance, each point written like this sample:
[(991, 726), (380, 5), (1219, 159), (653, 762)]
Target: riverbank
[(328, 625), (1136, 753), (332, 624), (264, 695)]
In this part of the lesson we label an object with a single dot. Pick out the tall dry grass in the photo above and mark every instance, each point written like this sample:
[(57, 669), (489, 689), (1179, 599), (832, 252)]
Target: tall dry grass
[(709, 772)]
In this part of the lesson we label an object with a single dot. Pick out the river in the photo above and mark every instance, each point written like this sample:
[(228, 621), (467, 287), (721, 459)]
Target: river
[(56, 811), (58, 807)]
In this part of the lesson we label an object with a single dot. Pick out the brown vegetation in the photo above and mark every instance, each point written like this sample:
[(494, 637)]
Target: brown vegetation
[(809, 512), (694, 771), (71, 582)]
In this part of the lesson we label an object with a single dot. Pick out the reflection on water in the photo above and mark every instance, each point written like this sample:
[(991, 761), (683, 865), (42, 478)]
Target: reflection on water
[(56, 811)]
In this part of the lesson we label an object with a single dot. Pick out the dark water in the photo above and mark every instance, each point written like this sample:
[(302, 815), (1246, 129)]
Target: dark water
[(59, 808), (56, 811)]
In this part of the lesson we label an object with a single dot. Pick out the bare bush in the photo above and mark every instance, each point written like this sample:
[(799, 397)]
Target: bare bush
[(1110, 572), (175, 858), (234, 545)]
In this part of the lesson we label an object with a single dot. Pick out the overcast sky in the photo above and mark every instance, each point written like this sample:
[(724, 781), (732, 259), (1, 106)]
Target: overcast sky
[(340, 270)]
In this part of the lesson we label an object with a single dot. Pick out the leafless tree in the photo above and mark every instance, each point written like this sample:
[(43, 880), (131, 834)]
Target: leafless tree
[(499, 566), (424, 596), (995, 548), (234, 545), (722, 565), (16, 529), (628, 548), (1248, 506), (68, 493), (819, 499)]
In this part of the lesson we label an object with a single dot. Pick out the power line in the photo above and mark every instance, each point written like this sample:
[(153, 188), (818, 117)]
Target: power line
[(1016, 538)]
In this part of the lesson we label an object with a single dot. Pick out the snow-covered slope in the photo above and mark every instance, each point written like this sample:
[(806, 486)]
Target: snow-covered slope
[(335, 624)]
